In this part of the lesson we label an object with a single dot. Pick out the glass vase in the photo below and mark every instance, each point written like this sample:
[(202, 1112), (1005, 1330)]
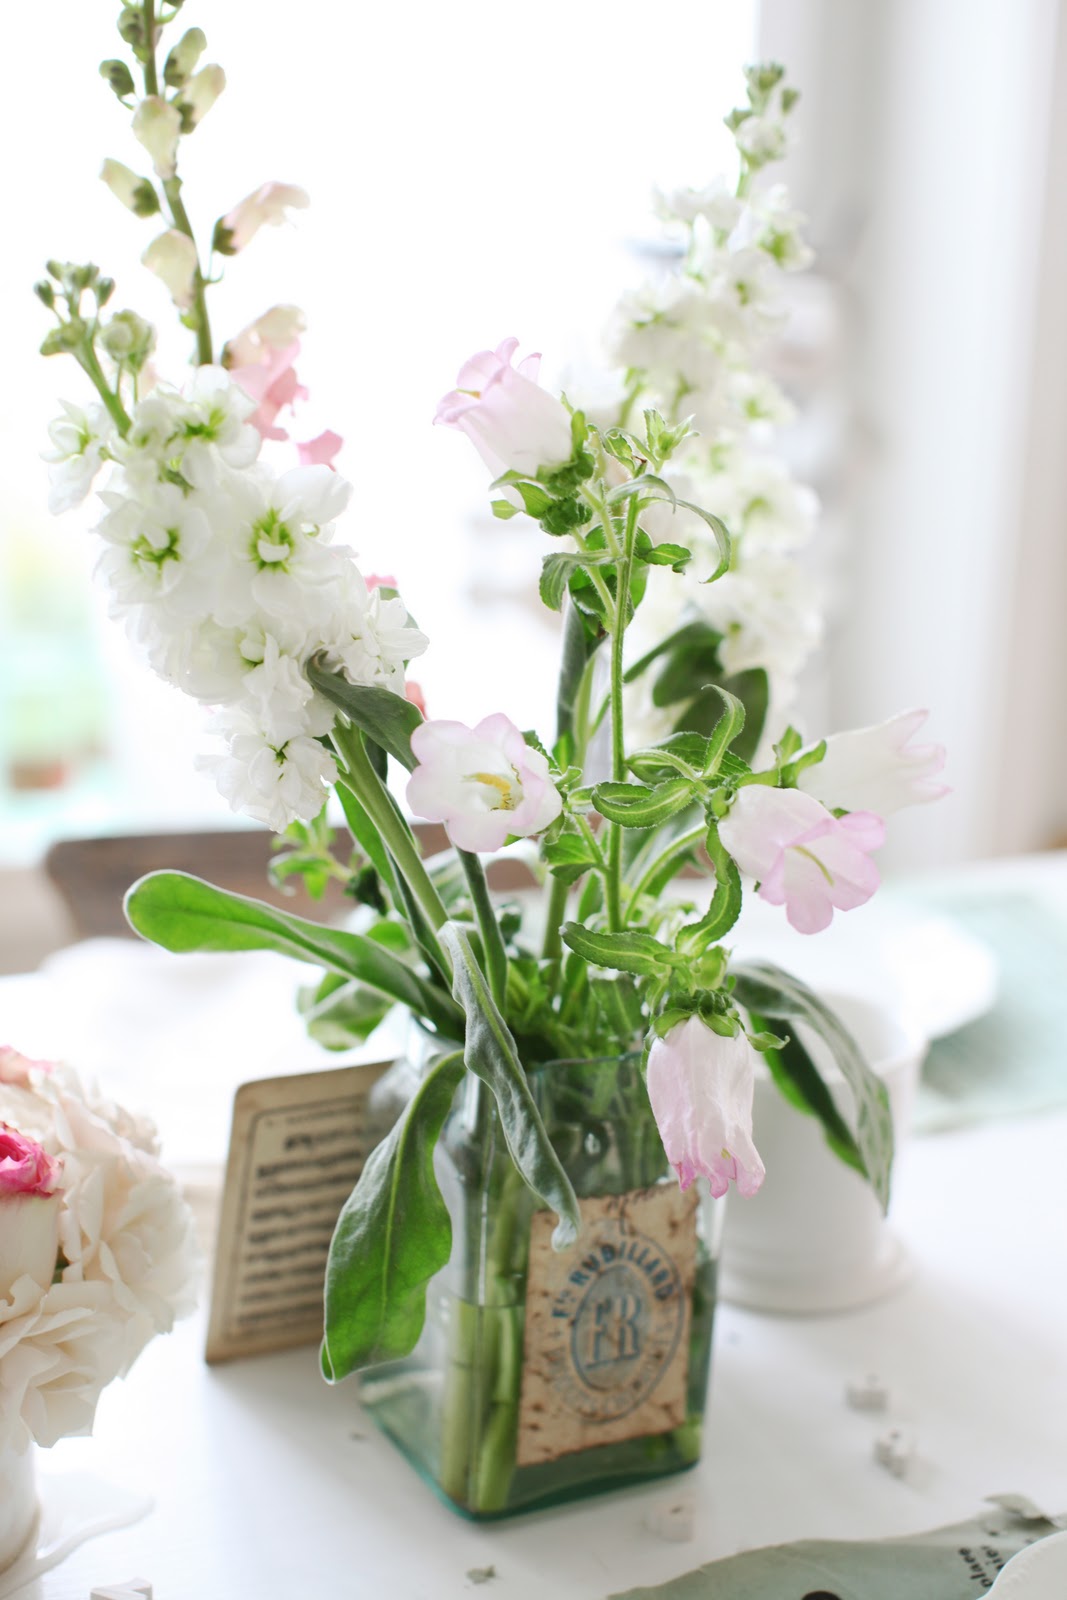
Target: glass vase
[(543, 1376)]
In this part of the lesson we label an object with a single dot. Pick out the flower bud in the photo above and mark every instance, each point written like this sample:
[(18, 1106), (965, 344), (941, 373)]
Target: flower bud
[(199, 95), (45, 293), (103, 290), (131, 29), (183, 58), (158, 126), (129, 339), (172, 257), (138, 194), (119, 77)]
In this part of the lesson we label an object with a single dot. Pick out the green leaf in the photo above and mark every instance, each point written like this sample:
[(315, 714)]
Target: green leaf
[(556, 571), (383, 716), (183, 913), (578, 648), (503, 509), (490, 1053), (340, 1012), (772, 993), (726, 730), (635, 806), (568, 856), (657, 760), (393, 1235), (692, 634), (639, 953), (725, 907), (675, 556), (798, 1080)]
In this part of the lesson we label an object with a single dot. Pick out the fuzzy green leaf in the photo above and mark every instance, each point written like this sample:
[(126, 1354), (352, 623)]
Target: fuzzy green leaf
[(635, 806), (393, 1235), (639, 953), (386, 718)]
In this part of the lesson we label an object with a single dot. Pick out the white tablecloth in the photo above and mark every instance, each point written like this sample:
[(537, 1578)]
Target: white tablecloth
[(269, 1484)]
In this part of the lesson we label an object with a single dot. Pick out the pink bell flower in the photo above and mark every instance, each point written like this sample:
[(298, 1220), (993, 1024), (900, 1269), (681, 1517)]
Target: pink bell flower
[(878, 769), (803, 857), (512, 422), (485, 783), (700, 1085)]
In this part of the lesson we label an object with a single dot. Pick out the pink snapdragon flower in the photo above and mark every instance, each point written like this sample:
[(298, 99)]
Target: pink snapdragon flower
[(485, 783), (878, 769), (803, 857), (700, 1085), (266, 206), (320, 451), (273, 384), (512, 422)]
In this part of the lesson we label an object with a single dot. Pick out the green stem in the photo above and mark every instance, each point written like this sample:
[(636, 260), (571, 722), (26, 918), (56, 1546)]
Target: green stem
[(496, 960), (151, 78), (372, 795), (172, 189), (552, 948), (613, 886), (676, 849), (86, 359)]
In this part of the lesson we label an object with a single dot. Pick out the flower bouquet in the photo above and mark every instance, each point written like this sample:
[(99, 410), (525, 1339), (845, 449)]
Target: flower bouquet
[(96, 1256), (524, 1264)]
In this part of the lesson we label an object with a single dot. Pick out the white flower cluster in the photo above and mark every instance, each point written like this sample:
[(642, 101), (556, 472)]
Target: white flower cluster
[(691, 342), (127, 1258), (227, 580)]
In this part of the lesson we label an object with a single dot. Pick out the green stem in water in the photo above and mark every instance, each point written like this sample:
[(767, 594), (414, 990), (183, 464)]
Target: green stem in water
[(613, 885)]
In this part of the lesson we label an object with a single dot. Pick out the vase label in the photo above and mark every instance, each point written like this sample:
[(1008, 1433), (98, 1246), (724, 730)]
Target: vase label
[(606, 1354)]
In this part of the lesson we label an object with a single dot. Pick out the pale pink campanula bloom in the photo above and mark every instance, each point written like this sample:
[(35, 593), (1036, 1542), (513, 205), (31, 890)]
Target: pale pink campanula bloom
[(700, 1085), (878, 769), (512, 422), (485, 783), (803, 857)]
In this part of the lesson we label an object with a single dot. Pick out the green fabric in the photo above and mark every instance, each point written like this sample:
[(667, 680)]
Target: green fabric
[(954, 1563)]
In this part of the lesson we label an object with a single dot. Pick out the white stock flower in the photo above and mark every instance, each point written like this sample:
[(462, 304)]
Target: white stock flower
[(212, 425), (79, 439), (716, 203), (158, 549), (172, 257), (371, 636), (877, 769), (762, 139), (158, 126), (281, 699), (281, 527), (274, 783), (666, 328), (777, 229)]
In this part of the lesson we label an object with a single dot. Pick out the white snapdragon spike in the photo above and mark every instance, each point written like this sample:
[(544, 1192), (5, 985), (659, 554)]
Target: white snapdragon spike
[(136, 193), (158, 125), (276, 329), (274, 782), (172, 257), (484, 783), (79, 440), (878, 769)]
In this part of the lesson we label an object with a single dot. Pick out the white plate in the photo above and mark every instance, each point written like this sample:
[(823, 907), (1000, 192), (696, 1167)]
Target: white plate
[(1037, 1573)]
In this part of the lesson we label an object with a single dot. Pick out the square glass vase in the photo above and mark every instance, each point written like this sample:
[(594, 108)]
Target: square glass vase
[(543, 1376)]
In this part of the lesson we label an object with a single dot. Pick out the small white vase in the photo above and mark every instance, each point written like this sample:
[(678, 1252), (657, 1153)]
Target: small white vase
[(18, 1503), (814, 1238)]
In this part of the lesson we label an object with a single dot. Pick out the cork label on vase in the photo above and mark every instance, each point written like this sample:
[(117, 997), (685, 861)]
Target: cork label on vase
[(606, 1354)]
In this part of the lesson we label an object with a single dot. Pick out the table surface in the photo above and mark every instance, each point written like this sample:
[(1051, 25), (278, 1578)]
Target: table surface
[(267, 1483)]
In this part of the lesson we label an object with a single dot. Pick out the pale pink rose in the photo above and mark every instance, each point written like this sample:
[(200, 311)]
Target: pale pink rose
[(17, 1068), (273, 384), (877, 769), (24, 1167), (265, 207), (485, 783), (512, 422), (803, 857), (700, 1086)]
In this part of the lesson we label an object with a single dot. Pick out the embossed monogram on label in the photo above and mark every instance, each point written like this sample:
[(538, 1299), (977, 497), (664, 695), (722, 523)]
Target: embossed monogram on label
[(606, 1353)]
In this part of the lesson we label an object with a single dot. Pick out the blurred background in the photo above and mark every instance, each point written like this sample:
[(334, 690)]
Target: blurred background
[(486, 169)]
